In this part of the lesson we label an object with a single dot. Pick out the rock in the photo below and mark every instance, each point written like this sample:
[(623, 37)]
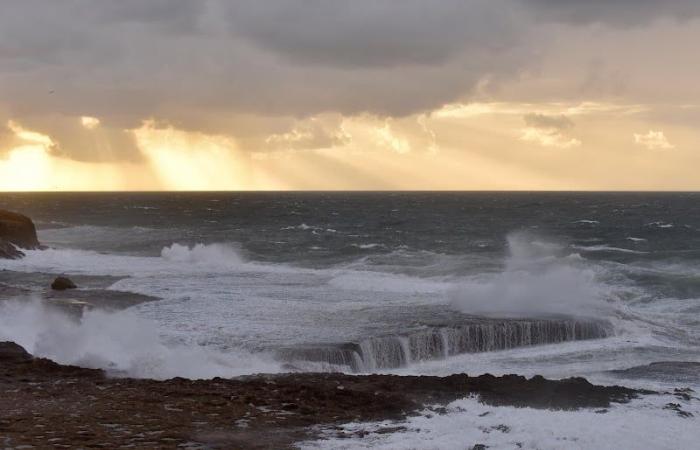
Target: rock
[(62, 283), (11, 352), (18, 230), (9, 251)]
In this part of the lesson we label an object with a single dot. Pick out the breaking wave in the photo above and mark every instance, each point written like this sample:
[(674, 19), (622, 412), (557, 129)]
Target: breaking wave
[(213, 254), (539, 279), (394, 351), (120, 342)]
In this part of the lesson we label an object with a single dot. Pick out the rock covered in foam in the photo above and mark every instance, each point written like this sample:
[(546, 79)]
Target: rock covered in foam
[(62, 284)]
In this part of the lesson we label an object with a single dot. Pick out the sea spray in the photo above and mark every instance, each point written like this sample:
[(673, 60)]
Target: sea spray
[(538, 279), (212, 254), (119, 342)]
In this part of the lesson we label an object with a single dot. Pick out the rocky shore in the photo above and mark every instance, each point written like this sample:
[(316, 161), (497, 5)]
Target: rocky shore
[(46, 405), (17, 231)]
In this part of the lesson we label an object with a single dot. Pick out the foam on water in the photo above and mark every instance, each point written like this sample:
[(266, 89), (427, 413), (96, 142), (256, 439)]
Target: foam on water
[(643, 423), (174, 259), (120, 342), (214, 296)]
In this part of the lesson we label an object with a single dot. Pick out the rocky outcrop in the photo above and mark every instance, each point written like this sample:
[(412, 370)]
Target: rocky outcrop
[(17, 231), (255, 412), (62, 283), (13, 353), (9, 251)]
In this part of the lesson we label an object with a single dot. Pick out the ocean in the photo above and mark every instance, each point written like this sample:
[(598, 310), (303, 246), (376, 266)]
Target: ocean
[(598, 285)]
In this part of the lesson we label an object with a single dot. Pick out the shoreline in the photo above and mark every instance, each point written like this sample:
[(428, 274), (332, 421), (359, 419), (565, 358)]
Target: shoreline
[(47, 404)]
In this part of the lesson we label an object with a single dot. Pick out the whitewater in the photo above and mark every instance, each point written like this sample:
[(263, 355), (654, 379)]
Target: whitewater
[(420, 284)]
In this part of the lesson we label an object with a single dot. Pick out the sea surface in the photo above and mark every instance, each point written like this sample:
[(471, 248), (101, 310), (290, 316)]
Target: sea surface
[(560, 284)]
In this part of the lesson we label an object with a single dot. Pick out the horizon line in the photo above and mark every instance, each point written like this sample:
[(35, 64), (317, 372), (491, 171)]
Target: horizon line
[(513, 191)]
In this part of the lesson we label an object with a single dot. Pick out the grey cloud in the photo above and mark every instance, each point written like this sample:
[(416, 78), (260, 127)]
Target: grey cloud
[(371, 33), (204, 64), (613, 12), (552, 122), (124, 62)]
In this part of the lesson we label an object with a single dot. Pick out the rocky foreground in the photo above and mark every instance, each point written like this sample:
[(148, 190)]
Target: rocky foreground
[(46, 405)]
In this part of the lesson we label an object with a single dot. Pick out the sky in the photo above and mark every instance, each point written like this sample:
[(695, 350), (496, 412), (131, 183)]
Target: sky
[(339, 95)]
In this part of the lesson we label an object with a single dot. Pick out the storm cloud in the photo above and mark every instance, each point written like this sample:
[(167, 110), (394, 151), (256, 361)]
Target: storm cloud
[(202, 65)]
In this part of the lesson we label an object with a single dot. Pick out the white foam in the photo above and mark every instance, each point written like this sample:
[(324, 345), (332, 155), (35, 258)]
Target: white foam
[(368, 246), (386, 282), (120, 342), (214, 254), (174, 259), (537, 280), (642, 423), (607, 248)]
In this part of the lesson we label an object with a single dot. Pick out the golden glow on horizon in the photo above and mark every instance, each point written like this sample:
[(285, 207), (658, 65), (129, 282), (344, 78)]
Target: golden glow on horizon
[(475, 146)]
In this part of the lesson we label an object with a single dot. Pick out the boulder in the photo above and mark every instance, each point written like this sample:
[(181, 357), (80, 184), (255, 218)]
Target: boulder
[(62, 283), (11, 352), (18, 229)]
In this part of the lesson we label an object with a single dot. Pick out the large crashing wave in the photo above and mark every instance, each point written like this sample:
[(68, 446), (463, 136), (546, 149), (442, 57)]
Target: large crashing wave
[(119, 342), (538, 279)]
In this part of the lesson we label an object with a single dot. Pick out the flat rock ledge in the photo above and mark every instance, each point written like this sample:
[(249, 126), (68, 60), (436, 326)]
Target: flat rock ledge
[(45, 404)]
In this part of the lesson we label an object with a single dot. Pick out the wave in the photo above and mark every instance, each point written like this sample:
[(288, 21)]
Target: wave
[(368, 246), (608, 248), (120, 342), (174, 259), (538, 279), (213, 254), (394, 351), (660, 224)]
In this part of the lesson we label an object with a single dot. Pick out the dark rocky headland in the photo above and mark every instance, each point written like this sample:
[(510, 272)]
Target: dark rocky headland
[(17, 232)]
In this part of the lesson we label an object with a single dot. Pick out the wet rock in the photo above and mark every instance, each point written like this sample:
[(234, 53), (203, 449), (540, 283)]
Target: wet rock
[(677, 408), (62, 283), (253, 412), (11, 352), (18, 229), (9, 251)]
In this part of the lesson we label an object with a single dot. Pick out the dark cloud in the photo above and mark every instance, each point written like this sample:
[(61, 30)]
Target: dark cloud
[(370, 33), (551, 122), (200, 64)]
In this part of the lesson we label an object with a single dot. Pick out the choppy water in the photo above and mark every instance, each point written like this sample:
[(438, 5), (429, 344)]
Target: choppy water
[(404, 282)]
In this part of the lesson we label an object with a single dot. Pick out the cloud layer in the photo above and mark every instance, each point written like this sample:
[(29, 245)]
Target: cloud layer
[(252, 69)]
